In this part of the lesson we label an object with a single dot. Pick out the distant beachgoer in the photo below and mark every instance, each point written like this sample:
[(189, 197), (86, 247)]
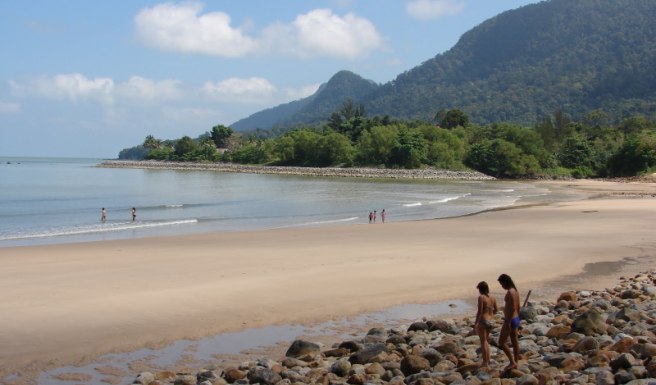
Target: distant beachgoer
[(103, 215), (382, 216), (510, 320), (487, 307), (134, 214), (374, 216), (371, 216)]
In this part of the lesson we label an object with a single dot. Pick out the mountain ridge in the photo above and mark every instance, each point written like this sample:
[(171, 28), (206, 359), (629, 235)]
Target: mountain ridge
[(574, 56)]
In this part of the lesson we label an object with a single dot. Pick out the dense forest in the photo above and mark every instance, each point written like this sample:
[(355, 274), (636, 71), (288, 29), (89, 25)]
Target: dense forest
[(556, 147), (520, 66), (561, 88)]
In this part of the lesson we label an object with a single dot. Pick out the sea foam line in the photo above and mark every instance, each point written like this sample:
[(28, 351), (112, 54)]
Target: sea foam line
[(100, 229)]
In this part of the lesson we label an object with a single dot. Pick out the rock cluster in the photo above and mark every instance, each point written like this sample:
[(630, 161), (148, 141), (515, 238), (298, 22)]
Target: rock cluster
[(585, 337), (353, 172)]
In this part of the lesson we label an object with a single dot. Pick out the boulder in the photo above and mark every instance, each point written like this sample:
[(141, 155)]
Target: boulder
[(559, 331), (586, 344), (419, 325), (568, 296), (590, 323), (352, 346), (341, 367), (413, 364), (233, 374), (372, 353), (300, 348), (263, 376)]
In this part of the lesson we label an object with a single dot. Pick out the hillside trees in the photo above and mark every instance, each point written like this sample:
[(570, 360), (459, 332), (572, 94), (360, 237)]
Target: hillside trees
[(557, 146)]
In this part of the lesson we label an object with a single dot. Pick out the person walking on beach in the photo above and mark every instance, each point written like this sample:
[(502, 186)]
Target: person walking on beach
[(371, 216), (510, 320), (103, 215), (382, 216), (487, 307), (374, 216), (134, 214)]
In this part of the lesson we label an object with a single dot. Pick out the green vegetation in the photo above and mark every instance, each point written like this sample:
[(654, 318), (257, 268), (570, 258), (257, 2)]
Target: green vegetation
[(556, 147), (519, 66)]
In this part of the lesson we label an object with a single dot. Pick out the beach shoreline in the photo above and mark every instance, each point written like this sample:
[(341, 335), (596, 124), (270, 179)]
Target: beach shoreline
[(118, 296), (347, 172)]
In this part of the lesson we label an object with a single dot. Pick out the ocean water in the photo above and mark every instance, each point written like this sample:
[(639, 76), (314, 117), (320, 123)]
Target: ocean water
[(56, 200)]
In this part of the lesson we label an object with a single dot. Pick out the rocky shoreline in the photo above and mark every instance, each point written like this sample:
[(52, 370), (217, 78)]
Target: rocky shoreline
[(584, 337), (426, 173)]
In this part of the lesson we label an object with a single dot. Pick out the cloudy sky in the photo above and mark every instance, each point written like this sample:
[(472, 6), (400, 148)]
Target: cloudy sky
[(84, 78)]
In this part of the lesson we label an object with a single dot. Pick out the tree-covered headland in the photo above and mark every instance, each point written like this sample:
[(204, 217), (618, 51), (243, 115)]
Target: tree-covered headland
[(555, 147)]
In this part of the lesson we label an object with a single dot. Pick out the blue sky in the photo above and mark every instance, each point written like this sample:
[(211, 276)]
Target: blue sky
[(84, 78)]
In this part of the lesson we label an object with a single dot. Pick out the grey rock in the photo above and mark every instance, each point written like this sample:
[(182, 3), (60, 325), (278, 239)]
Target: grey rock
[(590, 323), (371, 353), (263, 376), (301, 348), (341, 367)]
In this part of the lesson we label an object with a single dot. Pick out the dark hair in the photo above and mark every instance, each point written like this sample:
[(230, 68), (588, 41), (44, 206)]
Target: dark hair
[(506, 281), (483, 288)]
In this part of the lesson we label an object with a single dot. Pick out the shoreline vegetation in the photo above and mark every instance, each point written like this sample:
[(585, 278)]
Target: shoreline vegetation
[(354, 172)]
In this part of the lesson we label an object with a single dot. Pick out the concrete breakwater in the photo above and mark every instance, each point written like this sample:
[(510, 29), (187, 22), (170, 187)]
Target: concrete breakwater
[(583, 337), (425, 173)]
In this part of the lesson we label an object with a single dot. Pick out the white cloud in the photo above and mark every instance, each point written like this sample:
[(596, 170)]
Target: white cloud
[(9, 107), (149, 90), (433, 9), (303, 92), (77, 87), (240, 90), (181, 28), (323, 33), (320, 32), (73, 87)]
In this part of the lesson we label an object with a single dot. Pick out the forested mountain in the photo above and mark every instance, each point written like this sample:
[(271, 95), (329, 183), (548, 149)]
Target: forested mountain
[(313, 109), (573, 56)]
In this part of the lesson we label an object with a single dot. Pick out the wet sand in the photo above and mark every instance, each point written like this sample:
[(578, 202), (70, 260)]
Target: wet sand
[(67, 304)]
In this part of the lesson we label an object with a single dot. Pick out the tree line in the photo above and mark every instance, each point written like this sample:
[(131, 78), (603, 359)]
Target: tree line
[(555, 147)]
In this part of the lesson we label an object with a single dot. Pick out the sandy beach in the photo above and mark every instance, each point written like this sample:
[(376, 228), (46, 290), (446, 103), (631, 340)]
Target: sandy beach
[(65, 304)]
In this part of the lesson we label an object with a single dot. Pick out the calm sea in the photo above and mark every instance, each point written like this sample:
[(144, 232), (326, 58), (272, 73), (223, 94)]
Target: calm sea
[(55, 200)]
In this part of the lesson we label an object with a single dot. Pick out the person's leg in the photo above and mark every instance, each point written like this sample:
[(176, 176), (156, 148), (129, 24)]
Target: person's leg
[(514, 339), (485, 345), (503, 338), (480, 330)]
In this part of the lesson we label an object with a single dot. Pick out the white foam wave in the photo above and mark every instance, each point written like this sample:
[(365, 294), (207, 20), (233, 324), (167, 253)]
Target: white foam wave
[(412, 204), (449, 199), (112, 227), (173, 206), (334, 221)]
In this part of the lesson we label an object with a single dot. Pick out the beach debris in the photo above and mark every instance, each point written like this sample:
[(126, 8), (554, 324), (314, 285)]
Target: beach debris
[(583, 337)]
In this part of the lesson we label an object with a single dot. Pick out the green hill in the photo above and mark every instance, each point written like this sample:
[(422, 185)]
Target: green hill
[(313, 109), (569, 55)]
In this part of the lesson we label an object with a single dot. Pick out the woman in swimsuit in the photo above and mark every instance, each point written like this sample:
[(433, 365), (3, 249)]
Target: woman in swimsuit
[(487, 307), (510, 320)]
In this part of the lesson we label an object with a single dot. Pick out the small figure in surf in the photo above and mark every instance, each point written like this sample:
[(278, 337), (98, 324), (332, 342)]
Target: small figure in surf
[(374, 216), (383, 214), (510, 321), (103, 215), (487, 308), (134, 214), (371, 216)]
